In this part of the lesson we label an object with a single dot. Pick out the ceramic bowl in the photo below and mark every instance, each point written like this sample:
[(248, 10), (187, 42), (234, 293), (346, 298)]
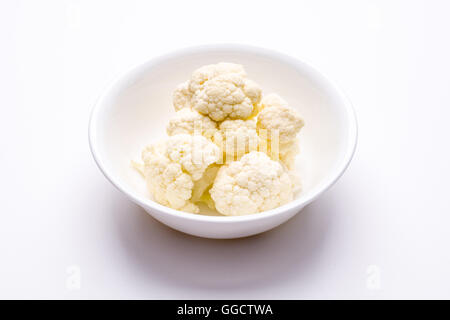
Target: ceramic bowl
[(135, 109)]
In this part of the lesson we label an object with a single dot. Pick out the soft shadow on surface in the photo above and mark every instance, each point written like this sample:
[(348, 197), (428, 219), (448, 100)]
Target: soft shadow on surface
[(158, 252)]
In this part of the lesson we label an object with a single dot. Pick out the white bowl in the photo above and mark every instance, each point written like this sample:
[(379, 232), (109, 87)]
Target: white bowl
[(134, 110)]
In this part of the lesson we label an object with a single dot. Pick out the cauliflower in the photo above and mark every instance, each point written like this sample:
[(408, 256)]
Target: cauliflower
[(183, 93), (287, 153), (236, 138), (272, 100), (253, 184), (210, 71), (182, 96), (191, 122), (202, 185), (228, 95), (277, 118), (219, 91), (220, 114), (278, 126), (172, 167)]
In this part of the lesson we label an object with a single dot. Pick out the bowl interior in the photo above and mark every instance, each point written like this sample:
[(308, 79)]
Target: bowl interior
[(135, 110)]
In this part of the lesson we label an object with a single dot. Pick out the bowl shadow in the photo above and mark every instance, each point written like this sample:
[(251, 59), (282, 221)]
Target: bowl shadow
[(157, 252)]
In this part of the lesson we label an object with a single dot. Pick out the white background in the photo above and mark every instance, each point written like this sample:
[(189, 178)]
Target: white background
[(383, 231)]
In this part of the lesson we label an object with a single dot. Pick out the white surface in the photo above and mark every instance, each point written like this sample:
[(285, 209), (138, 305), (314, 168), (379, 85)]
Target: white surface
[(134, 111), (390, 210)]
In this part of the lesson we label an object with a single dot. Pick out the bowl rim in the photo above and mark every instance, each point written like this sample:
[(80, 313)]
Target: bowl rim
[(328, 182)]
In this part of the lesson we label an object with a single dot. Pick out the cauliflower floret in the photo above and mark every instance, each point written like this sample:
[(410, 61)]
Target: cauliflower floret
[(236, 138), (273, 100), (219, 91), (182, 96), (210, 71), (191, 122), (278, 126), (166, 181), (171, 169), (229, 95), (194, 153), (253, 184), (279, 119), (183, 93)]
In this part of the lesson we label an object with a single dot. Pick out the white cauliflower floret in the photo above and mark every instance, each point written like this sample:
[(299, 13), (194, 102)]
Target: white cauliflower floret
[(278, 126), (171, 169), (210, 71), (166, 181), (219, 91), (279, 119), (228, 95), (183, 93), (236, 138), (191, 122), (182, 96), (273, 100), (253, 184), (194, 153)]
